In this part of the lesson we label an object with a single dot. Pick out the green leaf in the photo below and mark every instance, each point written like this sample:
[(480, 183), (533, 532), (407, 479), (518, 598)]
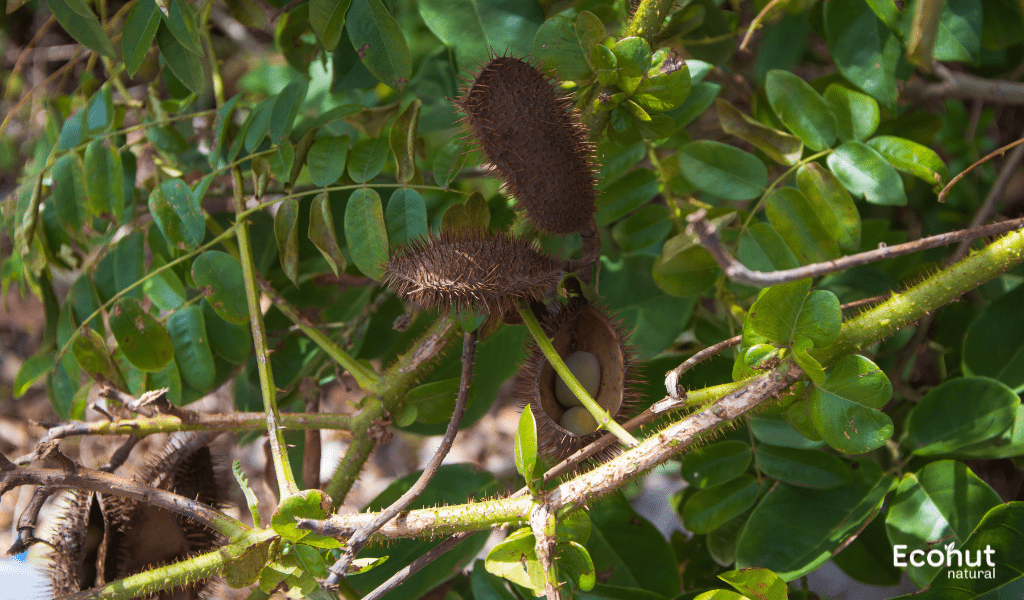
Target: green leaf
[(322, 233), (366, 233), (403, 141), (626, 195), (307, 504), (844, 406), (258, 124), (803, 468), (910, 157), (286, 232), (959, 413), (526, 446), (857, 114), (515, 559), (665, 85), (832, 204), (868, 558), (784, 313), (367, 158), (165, 288), (795, 218), (229, 341), (722, 170), (406, 216), (68, 193), (220, 129), (81, 23), (936, 507), (449, 161), (867, 174), (685, 269), (783, 148), (184, 64), (865, 51), (958, 34), (478, 213), (576, 561), (629, 551), (633, 59), (327, 18), (761, 584), (142, 339), (761, 248), (801, 109), (219, 276), (177, 215), (104, 180), (777, 432), (91, 352), (139, 31), (711, 465), (380, 43), (32, 370), (566, 45), (996, 539), (486, 586), (643, 229), (192, 348), (836, 516), (472, 27), (994, 344), (810, 365), (285, 109), (182, 24), (712, 507), (326, 159)]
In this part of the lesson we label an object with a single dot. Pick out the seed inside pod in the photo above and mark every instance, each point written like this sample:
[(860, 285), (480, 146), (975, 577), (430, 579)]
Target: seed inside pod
[(577, 329), (587, 370), (578, 421)]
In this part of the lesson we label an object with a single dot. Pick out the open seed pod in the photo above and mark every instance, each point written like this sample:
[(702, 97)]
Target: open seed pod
[(470, 268), (101, 538), (529, 131), (594, 350)]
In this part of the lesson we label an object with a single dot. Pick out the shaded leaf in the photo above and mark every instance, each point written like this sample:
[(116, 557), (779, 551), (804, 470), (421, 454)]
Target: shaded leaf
[(723, 170), (857, 114), (139, 31), (81, 23), (779, 146), (707, 466), (403, 141), (867, 174), (286, 232), (832, 204), (366, 233), (142, 339), (801, 109), (322, 233), (185, 65), (799, 224), (379, 42), (566, 45), (327, 18), (943, 421), (219, 276)]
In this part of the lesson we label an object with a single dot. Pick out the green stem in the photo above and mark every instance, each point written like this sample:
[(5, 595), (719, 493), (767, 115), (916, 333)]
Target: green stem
[(394, 384), (176, 574), (365, 377), (282, 467), (648, 18), (600, 414), (143, 426), (906, 307)]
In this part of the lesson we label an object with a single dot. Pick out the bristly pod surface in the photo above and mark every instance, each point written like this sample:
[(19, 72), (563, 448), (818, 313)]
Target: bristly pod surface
[(595, 351), (100, 538), (471, 268), (533, 137)]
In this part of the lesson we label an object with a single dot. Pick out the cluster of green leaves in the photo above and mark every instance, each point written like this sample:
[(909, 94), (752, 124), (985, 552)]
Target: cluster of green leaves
[(349, 149)]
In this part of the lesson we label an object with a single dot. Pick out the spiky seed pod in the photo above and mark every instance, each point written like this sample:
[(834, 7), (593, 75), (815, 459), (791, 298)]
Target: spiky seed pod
[(470, 268), (77, 535), (530, 132), (122, 537), (577, 327)]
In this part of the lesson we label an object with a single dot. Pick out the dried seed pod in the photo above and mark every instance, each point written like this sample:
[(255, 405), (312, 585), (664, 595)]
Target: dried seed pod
[(470, 268), (578, 327), (102, 538), (530, 132)]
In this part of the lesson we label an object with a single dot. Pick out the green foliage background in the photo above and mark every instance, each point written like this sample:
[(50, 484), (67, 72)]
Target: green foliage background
[(333, 140)]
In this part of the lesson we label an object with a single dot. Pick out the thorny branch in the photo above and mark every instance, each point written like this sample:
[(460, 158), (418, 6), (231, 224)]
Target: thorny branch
[(362, 535), (736, 271)]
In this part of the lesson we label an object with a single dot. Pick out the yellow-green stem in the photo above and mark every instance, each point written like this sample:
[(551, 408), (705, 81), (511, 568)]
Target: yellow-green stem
[(282, 468), (601, 415)]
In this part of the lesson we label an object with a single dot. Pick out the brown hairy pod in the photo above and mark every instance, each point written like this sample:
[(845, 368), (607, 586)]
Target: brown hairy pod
[(100, 538), (470, 268), (532, 135), (578, 327)]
